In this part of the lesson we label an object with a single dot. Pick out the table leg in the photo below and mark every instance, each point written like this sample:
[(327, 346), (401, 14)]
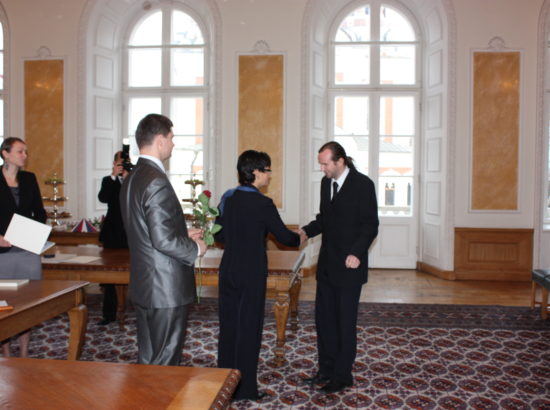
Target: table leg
[(280, 309), (78, 319), (121, 291), (294, 293)]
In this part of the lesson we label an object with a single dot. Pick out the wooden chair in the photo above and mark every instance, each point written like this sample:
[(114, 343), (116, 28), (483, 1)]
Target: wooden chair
[(540, 277)]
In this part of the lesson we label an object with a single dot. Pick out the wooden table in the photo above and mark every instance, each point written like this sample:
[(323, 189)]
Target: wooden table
[(59, 384), (113, 266), (40, 300)]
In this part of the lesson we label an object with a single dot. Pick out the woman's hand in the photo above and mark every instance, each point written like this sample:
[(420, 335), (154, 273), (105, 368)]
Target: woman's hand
[(4, 243)]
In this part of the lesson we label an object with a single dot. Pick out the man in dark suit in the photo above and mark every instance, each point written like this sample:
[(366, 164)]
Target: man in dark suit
[(348, 220), (112, 234), (162, 254)]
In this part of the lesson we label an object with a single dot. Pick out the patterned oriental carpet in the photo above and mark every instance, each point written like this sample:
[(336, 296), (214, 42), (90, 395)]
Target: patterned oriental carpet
[(409, 356)]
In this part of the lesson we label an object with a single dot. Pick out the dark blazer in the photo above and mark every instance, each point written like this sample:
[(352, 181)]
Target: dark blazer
[(246, 220), (349, 224), (161, 253), (30, 201), (112, 233)]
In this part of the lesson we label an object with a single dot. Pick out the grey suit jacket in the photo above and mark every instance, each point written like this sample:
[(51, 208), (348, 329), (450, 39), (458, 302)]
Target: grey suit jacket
[(161, 253)]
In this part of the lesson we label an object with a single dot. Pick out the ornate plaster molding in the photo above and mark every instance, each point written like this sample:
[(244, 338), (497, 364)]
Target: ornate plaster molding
[(261, 47), (43, 52), (497, 44)]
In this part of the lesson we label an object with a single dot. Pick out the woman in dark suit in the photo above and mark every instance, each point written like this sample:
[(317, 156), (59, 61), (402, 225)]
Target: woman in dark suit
[(246, 216), (19, 193)]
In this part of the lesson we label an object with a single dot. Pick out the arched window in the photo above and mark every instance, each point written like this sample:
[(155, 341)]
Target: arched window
[(374, 91), (2, 112), (165, 73)]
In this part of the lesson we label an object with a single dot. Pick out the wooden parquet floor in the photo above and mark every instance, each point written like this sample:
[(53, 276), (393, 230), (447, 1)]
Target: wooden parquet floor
[(410, 286)]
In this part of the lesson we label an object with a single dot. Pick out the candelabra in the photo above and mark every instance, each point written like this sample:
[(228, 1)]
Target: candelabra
[(55, 215)]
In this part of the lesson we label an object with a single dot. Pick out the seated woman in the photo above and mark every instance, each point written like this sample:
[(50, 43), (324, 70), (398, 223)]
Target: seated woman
[(246, 216), (19, 193)]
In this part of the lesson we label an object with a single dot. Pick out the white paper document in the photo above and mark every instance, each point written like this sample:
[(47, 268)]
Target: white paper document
[(70, 258), (26, 233)]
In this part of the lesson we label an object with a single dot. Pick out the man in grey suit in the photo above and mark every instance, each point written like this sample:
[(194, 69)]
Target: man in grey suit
[(162, 254)]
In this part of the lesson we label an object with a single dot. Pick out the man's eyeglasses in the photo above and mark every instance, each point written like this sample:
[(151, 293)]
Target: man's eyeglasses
[(266, 170)]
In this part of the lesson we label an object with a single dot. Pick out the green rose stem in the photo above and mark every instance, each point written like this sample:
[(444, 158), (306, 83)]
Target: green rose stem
[(203, 212)]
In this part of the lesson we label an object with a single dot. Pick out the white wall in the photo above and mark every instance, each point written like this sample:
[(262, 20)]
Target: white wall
[(279, 24), (53, 24), (516, 22)]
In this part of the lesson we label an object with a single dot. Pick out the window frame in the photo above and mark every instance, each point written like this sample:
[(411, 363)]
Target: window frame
[(166, 91), (375, 91)]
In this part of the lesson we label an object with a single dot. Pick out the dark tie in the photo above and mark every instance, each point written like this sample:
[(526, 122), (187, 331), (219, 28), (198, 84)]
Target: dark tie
[(334, 190)]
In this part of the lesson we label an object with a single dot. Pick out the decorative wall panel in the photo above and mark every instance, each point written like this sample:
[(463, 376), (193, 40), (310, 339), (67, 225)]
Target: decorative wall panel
[(493, 254), (44, 91), (495, 136), (261, 112)]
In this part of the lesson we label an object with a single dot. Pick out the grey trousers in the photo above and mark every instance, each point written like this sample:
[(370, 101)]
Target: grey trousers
[(160, 334)]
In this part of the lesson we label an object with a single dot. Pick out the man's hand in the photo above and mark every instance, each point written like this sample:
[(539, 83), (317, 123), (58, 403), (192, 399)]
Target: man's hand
[(4, 243), (303, 235), (117, 170), (352, 262), (195, 233), (202, 246)]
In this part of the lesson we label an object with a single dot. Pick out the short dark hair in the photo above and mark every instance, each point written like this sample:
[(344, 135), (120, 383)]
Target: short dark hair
[(338, 152), (150, 126), (248, 162), (117, 156), (7, 144)]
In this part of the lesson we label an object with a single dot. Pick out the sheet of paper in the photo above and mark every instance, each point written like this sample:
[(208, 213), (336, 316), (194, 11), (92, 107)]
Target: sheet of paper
[(81, 259), (27, 234)]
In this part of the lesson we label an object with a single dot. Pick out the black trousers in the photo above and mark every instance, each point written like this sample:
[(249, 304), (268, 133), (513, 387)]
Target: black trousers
[(109, 301), (336, 323), (160, 334), (241, 311)]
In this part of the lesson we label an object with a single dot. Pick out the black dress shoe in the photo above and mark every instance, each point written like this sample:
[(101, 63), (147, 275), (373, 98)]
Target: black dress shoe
[(335, 387), (258, 397), (317, 379), (105, 322)]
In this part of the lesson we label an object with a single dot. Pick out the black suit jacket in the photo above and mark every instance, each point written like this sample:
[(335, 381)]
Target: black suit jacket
[(30, 201), (349, 224), (112, 233), (161, 253), (246, 220)]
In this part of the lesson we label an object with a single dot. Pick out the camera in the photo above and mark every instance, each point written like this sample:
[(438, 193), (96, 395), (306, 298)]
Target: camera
[(125, 157)]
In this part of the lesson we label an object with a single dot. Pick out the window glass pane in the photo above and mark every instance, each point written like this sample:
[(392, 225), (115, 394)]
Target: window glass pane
[(394, 26), (185, 30), (144, 67), (396, 167), (397, 64), (186, 163), (187, 114), (358, 149), (1, 119), (355, 27), (395, 195), (187, 67), (139, 108), (148, 32), (1, 36), (1, 70), (397, 116), (351, 116), (352, 64)]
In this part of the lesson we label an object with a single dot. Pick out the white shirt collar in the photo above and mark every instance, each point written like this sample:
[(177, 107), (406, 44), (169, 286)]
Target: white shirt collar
[(155, 160), (340, 181)]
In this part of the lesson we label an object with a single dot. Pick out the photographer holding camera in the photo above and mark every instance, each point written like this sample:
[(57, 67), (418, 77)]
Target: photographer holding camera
[(112, 233)]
